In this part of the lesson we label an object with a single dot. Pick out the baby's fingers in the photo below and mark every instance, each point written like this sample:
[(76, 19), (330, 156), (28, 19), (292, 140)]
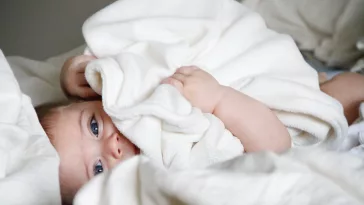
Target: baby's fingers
[(82, 62), (186, 70), (179, 77), (86, 92), (176, 83), (81, 79), (80, 68)]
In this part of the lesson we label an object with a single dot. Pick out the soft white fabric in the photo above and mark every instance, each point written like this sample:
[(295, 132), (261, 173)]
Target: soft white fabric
[(359, 65), (304, 177), (330, 28), (355, 138), (140, 42), (40, 80), (28, 161)]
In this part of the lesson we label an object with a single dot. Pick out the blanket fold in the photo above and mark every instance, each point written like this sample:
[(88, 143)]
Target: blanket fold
[(305, 177), (328, 28), (28, 161), (141, 42)]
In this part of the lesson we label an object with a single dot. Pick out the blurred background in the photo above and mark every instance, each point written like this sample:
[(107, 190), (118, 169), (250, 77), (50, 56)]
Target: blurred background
[(326, 31), (39, 29)]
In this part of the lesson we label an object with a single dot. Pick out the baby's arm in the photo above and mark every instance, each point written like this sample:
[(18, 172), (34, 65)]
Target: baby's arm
[(257, 127), (348, 89), (252, 122)]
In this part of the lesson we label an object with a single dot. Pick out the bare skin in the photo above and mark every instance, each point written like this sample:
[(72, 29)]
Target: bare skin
[(348, 89), (88, 143), (73, 80), (242, 115)]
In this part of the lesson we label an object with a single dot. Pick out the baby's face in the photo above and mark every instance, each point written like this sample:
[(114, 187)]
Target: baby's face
[(88, 143)]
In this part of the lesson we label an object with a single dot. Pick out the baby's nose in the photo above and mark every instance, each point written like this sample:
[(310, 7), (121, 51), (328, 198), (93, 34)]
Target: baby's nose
[(114, 146)]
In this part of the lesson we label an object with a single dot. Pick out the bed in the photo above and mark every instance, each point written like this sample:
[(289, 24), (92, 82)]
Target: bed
[(29, 163)]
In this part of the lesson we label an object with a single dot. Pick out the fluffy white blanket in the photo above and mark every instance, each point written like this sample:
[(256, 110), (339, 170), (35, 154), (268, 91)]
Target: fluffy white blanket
[(304, 177), (140, 42), (28, 161), (40, 79), (329, 28)]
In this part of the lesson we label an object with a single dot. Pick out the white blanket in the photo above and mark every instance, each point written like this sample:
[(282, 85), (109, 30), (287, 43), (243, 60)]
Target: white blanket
[(329, 28), (28, 161), (300, 177), (40, 79), (140, 42), (139, 47)]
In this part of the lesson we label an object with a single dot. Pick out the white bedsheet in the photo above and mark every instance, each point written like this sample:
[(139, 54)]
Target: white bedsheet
[(28, 161), (329, 28), (40, 79), (140, 42), (29, 165), (300, 177)]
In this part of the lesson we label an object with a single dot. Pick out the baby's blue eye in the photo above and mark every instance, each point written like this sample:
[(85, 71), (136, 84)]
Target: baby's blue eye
[(94, 126), (98, 168)]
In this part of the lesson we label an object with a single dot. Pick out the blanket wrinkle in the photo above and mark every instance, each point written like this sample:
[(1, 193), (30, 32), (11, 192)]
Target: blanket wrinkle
[(28, 161), (331, 34), (306, 177), (139, 48)]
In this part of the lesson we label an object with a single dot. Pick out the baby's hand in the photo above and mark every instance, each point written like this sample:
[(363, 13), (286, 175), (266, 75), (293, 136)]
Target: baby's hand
[(198, 87), (73, 79)]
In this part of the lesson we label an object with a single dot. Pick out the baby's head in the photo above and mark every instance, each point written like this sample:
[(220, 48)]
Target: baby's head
[(86, 140)]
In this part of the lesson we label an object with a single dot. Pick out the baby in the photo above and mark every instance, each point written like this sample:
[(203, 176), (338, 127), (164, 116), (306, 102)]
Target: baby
[(88, 142)]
